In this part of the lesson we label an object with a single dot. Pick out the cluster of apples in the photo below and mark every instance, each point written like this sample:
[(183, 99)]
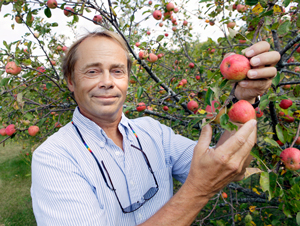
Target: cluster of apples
[(11, 129), (285, 104), (151, 57)]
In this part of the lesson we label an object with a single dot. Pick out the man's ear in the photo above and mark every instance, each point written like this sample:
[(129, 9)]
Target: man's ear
[(70, 84)]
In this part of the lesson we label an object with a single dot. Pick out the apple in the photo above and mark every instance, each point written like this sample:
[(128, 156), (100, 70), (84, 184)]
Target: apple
[(150, 3), (166, 34), (41, 70), (176, 10), (170, 6), (292, 59), (279, 143), (18, 19), (286, 103), (2, 132), (157, 14), (97, 19), (29, 20), (57, 125), (191, 65), (242, 41), (52, 4), (291, 158), (297, 69), (12, 68), (297, 141), (198, 77), (173, 20), (59, 48), (234, 7), (185, 23), (211, 50), (152, 58), (36, 34), (184, 81), (211, 109), (137, 44), (141, 106), (142, 54), (167, 15), (235, 67), (224, 195), (192, 105), (33, 130), (53, 62), (231, 25), (211, 23), (64, 48), (149, 108), (241, 112), (174, 28), (148, 32), (161, 24), (289, 119), (286, 87), (10, 130), (165, 108), (67, 11), (259, 113), (160, 55), (241, 8), (45, 87)]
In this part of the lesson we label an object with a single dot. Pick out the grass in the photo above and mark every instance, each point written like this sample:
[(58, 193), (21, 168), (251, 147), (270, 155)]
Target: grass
[(15, 182)]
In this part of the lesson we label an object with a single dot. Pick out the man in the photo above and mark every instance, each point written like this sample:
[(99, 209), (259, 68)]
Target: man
[(104, 169)]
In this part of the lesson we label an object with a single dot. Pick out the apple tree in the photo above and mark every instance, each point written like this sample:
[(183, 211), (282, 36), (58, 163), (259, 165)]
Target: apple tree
[(176, 79)]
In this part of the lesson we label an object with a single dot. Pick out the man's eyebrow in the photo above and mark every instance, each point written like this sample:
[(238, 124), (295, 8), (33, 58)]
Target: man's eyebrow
[(118, 66), (92, 65)]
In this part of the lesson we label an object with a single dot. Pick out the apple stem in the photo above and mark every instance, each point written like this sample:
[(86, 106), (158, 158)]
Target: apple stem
[(296, 137), (231, 95)]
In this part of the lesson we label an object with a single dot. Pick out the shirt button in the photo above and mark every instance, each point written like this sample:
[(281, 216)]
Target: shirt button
[(117, 153), (101, 144)]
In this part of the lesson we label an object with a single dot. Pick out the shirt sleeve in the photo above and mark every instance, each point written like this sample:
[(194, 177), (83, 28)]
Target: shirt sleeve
[(179, 150), (60, 193)]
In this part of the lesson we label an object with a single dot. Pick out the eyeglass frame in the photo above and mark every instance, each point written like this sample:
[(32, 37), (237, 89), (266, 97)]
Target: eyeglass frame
[(113, 188)]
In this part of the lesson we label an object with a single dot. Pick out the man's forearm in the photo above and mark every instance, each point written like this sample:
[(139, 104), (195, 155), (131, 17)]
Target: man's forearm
[(181, 209)]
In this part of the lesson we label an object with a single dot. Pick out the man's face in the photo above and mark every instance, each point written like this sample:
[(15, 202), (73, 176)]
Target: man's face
[(100, 79)]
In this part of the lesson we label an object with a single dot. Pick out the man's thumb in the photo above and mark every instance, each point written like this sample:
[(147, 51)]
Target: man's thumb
[(205, 138)]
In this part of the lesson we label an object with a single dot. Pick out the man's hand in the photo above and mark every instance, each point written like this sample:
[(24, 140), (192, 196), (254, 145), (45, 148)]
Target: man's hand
[(263, 70), (212, 169)]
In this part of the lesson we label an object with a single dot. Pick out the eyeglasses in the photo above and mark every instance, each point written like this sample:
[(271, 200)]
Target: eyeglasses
[(146, 197)]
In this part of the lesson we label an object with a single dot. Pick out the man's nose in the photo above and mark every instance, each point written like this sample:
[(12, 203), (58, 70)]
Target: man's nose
[(106, 80)]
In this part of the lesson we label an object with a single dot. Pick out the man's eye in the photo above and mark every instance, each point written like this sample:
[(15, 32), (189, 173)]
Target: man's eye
[(91, 71)]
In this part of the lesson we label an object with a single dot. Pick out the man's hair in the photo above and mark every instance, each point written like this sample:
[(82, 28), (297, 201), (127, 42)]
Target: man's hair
[(71, 57)]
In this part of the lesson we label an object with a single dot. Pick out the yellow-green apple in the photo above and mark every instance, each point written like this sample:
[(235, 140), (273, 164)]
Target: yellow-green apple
[(291, 158), (235, 67), (185, 23), (10, 130), (141, 106), (191, 65), (157, 14), (165, 108), (2, 132), (285, 103), (12, 68), (97, 19), (33, 130), (152, 58), (68, 11), (231, 25), (241, 112), (192, 105), (259, 113), (170, 6), (52, 4), (18, 19)]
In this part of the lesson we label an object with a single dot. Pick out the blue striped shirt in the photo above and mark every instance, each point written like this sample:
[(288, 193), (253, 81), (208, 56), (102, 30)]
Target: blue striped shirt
[(68, 188)]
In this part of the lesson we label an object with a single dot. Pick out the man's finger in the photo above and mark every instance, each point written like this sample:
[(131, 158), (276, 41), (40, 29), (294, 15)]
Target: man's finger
[(257, 48), (262, 73), (266, 58), (204, 139)]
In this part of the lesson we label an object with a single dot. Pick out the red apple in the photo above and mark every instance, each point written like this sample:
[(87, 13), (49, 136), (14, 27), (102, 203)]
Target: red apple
[(289, 119), (297, 69), (161, 24), (279, 143), (297, 141), (160, 55), (64, 48), (174, 28), (57, 125), (152, 58), (291, 158), (12, 68), (137, 44), (2, 132), (235, 67), (10, 130), (41, 70), (184, 81), (166, 34), (165, 108), (170, 6), (59, 48), (68, 13), (176, 10), (198, 77), (286, 87), (259, 113), (141, 106), (192, 105), (173, 20), (241, 112), (191, 65), (157, 14), (286, 103), (224, 195), (211, 109), (167, 15), (281, 113), (298, 50), (52, 4), (53, 62), (148, 32), (242, 41), (150, 3), (292, 59), (97, 19), (33, 130), (241, 8), (231, 25), (185, 23)]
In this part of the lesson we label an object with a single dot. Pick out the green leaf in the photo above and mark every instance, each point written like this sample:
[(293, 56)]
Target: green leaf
[(286, 3), (298, 22), (28, 116), (140, 92), (4, 81), (132, 18), (284, 28), (41, 122), (208, 97), (224, 119), (251, 2), (268, 183), (47, 12), (279, 132), (159, 38), (75, 18), (298, 218), (276, 80), (48, 85), (54, 24), (271, 141)]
